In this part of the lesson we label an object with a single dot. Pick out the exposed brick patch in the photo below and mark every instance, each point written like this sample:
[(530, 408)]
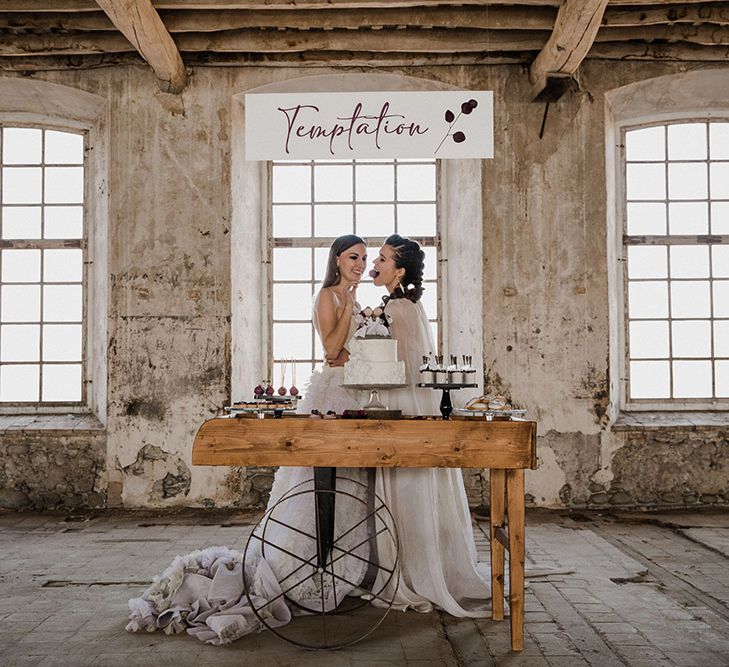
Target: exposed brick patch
[(671, 467), (48, 471)]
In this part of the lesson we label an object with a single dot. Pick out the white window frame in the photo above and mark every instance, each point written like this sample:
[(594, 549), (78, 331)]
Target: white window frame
[(374, 243), (35, 103), (702, 96), (461, 270), (707, 240), (45, 244)]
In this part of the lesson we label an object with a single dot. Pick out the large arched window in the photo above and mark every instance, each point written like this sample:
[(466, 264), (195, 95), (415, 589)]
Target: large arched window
[(53, 270), (42, 294), (667, 144), (676, 250)]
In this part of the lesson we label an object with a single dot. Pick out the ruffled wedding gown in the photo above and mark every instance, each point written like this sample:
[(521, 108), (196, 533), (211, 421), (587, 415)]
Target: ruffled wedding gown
[(203, 593), (437, 550)]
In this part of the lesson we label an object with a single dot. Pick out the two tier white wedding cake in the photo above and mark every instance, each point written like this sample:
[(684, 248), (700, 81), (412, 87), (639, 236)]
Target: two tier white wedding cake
[(373, 354)]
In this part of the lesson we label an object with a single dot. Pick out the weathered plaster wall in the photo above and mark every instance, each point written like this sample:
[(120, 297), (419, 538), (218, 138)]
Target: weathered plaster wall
[(677, 467), (545, 302)]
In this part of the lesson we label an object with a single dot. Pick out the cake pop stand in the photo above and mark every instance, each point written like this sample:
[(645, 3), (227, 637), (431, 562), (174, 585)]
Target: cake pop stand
[(265, 405), (374, 402), (446, 407)]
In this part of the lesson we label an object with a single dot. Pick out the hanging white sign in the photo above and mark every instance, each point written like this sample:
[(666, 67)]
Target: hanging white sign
[(422, 124)]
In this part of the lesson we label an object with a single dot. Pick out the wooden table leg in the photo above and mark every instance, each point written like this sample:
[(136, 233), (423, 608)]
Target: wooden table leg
[(515, 512), (497, 487)]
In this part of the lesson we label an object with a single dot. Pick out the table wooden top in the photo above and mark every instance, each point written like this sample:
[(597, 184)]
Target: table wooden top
[(371, 443)]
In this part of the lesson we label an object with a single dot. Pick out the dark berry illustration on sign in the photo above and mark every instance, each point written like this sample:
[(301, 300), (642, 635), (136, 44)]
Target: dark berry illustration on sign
[(458, 137)]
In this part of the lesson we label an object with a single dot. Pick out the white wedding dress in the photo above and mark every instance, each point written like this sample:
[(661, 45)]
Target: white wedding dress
[(437, 549), (203, 593)]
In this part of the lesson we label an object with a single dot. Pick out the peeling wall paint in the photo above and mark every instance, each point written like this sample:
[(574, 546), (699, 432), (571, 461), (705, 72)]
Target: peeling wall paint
[(671, 467)]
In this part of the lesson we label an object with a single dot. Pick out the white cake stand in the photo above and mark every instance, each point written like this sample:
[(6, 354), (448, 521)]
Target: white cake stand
[(374, 403)]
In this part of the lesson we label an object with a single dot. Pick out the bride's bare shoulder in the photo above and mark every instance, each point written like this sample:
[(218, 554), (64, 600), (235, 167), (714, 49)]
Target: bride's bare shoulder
[(326, 298)]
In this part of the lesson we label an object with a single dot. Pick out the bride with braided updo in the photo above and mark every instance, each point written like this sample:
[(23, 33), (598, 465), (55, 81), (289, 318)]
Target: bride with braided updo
[(437, 549)]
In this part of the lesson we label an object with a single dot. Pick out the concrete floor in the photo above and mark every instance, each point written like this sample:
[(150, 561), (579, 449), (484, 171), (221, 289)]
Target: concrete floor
[(640, 590)]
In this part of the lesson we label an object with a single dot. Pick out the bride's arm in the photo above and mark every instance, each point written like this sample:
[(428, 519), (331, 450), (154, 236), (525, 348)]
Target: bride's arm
[(333, 322)]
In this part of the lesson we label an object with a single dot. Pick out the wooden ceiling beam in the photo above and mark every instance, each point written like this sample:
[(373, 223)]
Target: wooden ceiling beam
[(314, 59), (177, 21), (140, 23), (707, 35), (276, 41), (706, 12), (290, 5), (56, 21), (647, 4), (691, 42), (574, 31), (617, 51), (496, 18), (66, 44), (659, 52), (647, 7)]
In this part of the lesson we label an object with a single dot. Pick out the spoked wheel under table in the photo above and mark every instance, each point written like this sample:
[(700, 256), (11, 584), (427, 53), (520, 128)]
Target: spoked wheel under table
[(320, 560)]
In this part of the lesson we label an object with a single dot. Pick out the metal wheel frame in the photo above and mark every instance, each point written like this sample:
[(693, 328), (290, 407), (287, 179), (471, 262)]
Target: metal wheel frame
[(328, 570)]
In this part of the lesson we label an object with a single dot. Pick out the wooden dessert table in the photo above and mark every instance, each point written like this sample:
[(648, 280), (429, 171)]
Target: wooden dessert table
[(507, 448)]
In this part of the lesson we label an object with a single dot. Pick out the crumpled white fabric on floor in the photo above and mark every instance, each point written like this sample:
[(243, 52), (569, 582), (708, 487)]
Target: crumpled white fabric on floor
[(203, 593)]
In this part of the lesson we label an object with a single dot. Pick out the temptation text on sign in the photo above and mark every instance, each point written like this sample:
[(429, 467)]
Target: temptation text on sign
[(356, 124)]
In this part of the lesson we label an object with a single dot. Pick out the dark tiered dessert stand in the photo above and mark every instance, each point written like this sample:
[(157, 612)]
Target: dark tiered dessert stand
[(446, 407)]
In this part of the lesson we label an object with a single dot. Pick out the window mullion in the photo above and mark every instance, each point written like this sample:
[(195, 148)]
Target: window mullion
[(41, 289)]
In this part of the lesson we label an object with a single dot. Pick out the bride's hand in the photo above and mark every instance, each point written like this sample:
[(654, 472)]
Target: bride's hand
[(340, 360)]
